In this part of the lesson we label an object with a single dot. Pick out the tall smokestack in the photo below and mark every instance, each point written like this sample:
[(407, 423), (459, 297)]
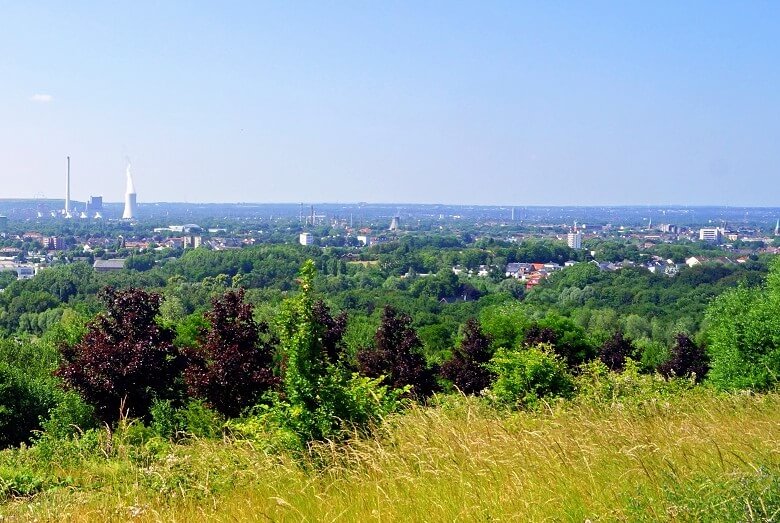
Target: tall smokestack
[(130, 198), (67, 190)]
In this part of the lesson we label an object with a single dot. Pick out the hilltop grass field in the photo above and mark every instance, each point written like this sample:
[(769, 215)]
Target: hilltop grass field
[(694, 456)]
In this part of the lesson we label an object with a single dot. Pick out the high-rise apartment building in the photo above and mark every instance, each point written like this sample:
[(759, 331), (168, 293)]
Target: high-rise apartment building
[(574, 240)]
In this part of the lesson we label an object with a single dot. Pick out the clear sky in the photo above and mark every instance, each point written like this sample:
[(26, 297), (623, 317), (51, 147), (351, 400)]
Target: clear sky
[(517, 103)]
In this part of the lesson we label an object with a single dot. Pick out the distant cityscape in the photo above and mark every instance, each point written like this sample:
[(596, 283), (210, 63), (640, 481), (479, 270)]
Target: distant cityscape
[(38, 233)]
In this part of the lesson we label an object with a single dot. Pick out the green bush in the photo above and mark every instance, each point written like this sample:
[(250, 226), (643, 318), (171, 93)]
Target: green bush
[(71, 415), (743, 336), (20, 482), (526, 376), (322, 400), (192, 420), (23, 403), (597, 385), (349, 405)]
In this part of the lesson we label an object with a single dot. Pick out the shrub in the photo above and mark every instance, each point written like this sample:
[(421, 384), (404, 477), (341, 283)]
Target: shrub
[(687, 359), (194, 419), (322, 400), (615, 351), (467, 368), (23, 402), (597, 385), (232, 367), (651, 353), (525, 376), (125, 360), (743, 333), (396, 356), (69, 416), (17, 482)]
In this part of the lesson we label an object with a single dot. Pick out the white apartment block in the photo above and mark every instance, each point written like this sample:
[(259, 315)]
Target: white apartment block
[(711, 234), (306, 238), (574, 240)]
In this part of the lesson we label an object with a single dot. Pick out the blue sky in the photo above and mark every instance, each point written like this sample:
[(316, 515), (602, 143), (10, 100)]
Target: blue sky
[(584, 103)]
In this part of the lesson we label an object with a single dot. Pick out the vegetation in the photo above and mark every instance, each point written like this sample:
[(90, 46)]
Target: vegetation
[(396, 356), (468, 368), (126, 360), (744, 336), (218, 383), (677, 459), (232, 366)]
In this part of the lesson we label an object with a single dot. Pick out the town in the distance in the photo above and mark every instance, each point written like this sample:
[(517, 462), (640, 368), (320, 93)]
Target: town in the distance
[(39, 233)]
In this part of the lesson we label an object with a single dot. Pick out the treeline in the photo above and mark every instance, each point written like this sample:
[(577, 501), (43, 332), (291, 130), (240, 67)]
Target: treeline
[(581, 301), (302, 371)]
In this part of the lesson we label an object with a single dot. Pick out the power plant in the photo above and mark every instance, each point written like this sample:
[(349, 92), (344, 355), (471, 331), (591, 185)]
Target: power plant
[(131, 210), (95, 205)]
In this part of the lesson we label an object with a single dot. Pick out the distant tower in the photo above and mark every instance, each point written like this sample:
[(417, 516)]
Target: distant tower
[(67, 190), (130, 198), (574, 238), (777, 228), (395, 223)]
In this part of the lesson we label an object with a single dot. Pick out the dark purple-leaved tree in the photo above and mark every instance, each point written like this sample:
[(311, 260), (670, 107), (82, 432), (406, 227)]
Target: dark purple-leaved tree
[(232, 366), (686, 359), (536, 335), (615, 350), (396, 355), (332, 329), (467, 368), (126, 359)]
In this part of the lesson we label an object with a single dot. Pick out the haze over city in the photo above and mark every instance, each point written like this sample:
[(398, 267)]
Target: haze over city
[(469, 103)]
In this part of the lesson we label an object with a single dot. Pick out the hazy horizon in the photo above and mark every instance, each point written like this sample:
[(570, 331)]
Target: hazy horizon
[(500, 103)]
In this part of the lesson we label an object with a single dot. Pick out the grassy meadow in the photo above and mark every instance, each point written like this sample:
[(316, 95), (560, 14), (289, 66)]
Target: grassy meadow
[(696, 456)]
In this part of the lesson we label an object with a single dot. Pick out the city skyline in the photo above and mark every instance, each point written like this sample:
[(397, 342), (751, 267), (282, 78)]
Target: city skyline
[(498, 103)]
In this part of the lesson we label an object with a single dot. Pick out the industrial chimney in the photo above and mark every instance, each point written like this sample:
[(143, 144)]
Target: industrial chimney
[(67, 190)]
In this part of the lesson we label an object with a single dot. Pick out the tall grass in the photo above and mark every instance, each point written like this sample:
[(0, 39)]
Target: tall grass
[(696, 457)]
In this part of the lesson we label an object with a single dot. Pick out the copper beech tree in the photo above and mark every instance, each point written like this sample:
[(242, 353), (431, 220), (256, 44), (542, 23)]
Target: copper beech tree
[(126, 360), (467, 369), (233, 364), (396, 355)]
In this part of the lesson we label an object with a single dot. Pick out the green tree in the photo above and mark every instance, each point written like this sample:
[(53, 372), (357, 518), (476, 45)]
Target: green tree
[(525, 376), (24, 401), (322, 399), (743, 331)]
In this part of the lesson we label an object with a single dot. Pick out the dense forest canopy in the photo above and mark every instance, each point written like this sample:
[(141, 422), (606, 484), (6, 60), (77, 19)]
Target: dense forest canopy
[(419, 294)]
